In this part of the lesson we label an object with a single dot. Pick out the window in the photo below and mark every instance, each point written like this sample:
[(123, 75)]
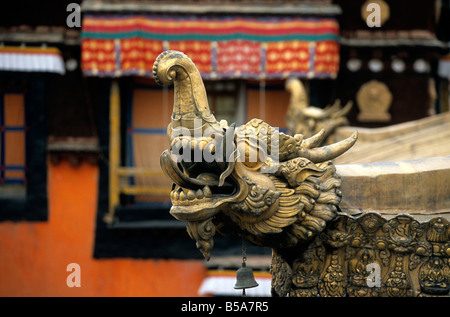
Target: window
[(23, 165), (268, 101), (133, 206), (223, 99), (138, 189), (12, 145), (148, 114)]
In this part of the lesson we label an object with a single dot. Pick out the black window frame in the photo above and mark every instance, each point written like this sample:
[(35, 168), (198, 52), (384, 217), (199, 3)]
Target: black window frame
[(34, 206)]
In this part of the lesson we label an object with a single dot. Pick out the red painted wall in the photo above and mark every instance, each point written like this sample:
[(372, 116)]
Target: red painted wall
[(34, 255)]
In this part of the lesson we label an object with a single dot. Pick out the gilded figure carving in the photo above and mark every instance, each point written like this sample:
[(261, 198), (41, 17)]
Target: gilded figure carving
[(306, 276), (358, 274), (434, 276)]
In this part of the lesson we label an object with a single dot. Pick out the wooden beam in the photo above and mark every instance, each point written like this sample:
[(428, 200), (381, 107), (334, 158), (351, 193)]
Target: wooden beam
[(205, 8), (138, 171), (114, 150)]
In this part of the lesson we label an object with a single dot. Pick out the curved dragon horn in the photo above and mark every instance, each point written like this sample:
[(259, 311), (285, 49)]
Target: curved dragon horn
[(328, 152), (343, 111), (190, 100), (314, 140)]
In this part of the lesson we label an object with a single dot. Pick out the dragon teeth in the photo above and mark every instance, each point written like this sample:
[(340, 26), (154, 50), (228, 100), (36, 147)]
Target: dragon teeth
[(199, 194), (185, 196), (175, 194), (191, 195), (207, 191)]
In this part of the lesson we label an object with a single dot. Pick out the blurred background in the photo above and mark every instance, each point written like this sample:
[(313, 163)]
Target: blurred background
[(83, 123)]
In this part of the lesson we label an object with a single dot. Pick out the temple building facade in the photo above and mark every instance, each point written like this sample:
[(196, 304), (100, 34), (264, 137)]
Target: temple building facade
[(83, 122)]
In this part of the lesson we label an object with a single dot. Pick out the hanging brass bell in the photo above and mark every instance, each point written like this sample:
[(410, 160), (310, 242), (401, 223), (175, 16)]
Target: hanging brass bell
[(245, 278)]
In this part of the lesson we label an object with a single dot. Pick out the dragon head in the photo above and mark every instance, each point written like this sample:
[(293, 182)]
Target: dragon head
[(308, 120), (273, 189)]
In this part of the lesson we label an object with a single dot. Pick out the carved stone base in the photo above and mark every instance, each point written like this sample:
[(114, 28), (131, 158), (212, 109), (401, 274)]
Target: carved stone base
[(370, 256)]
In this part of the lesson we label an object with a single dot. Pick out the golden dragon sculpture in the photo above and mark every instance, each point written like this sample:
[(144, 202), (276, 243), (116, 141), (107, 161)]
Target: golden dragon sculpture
[(307, 120), (278, 191)]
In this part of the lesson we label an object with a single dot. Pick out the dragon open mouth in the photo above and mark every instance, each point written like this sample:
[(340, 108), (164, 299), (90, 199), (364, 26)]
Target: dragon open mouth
[(187, 197), (197, 192), (181, 196)]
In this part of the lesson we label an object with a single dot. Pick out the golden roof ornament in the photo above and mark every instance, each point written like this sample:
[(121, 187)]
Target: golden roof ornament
[(308, 120), (268, 185), (283, 192)]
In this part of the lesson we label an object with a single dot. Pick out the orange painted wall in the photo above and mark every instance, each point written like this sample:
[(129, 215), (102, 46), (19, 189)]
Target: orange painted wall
[(34, 255)]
